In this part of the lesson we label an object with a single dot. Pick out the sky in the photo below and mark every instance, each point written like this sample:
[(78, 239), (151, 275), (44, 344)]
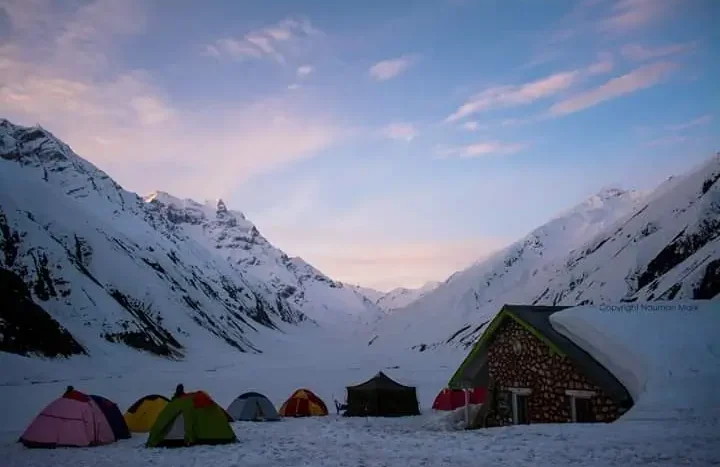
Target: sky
[(388, 143)]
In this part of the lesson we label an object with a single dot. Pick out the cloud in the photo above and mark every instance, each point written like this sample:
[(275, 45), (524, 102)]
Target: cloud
[(483, 148), (632, 15), (640, 53), (304, 70), (74, 40), (603, 65), (400, 131), (268, 43), (473, 126), (636, 80), (666, 141), (129, 127), (515, 95), (388, 69), (704, 120)]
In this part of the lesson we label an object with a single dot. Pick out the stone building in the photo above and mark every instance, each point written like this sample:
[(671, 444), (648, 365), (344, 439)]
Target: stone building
[(534, 374)]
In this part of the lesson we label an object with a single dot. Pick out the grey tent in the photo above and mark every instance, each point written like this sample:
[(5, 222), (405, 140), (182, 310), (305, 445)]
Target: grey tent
[(253, 406)]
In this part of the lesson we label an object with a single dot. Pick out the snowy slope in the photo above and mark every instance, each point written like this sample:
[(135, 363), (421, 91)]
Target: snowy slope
[(101, 269), (616, 246), (469, 298), (237, 241), (667, 354)]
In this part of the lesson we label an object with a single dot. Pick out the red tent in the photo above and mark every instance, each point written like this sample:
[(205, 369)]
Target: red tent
[(451, 399)]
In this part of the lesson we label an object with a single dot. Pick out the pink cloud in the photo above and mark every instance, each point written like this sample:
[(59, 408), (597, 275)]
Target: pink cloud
[(270, 42), (400, 131), (514, 95), (630, 15), (636, 80), (388, 69), (604, 64)]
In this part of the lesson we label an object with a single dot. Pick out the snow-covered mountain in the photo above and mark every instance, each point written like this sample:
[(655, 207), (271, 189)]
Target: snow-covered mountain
[(401, 297), (87, 267), (616, 245), (236, 240), (396, 298)]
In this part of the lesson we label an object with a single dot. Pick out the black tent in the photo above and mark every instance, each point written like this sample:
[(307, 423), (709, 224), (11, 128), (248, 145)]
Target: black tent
[(381, 397)]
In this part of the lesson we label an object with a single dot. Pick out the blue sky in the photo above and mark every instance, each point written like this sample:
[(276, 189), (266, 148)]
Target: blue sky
[(388, 143)]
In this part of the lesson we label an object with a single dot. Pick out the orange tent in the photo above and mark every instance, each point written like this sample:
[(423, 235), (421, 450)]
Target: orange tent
[(303, 403)]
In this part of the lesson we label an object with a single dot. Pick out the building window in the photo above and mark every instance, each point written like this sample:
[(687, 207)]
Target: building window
[(520, 405), (581, 406)]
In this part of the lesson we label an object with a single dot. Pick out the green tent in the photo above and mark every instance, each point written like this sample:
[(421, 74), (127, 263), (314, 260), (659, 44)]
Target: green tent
[(193, 418)]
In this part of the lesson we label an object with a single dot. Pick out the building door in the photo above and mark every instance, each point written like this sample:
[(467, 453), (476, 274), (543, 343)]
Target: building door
[(521, 409), (583, 411)]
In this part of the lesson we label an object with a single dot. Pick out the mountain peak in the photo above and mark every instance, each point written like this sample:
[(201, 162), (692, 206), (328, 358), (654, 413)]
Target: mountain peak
[(221, 208)]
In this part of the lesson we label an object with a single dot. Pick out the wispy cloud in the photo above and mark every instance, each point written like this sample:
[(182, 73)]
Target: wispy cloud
[(400, 131), (473, 126), (514, 95), (270, 42), (603, 65), (304, 70), (517, 95), (636, 80), (704, 120), (640, 53), (666, 141), (388, 69), (631, 15), (480, 149)]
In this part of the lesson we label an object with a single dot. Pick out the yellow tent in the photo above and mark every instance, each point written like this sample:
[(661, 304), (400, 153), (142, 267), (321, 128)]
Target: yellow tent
[(141, 416)]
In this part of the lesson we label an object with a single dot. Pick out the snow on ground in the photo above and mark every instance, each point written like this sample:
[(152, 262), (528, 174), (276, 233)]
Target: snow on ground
[(412, 441), (326, 364), (667, 354)]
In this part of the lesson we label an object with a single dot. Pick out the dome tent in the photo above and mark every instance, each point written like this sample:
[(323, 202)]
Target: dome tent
[(303, 403), (190, 419), (253, 406), (73, 420), (141, 416)]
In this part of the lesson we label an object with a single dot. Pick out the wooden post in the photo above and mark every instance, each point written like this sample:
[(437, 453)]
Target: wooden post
[(467, 407)]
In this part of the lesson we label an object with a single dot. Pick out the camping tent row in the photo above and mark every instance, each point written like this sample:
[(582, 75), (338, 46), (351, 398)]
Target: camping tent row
[(79, 420)]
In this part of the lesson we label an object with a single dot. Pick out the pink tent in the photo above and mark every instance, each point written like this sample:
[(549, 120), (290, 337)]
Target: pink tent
[(72, 420)]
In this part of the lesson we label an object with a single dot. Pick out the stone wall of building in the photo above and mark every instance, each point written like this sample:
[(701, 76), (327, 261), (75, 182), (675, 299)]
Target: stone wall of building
[(518, 359)]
